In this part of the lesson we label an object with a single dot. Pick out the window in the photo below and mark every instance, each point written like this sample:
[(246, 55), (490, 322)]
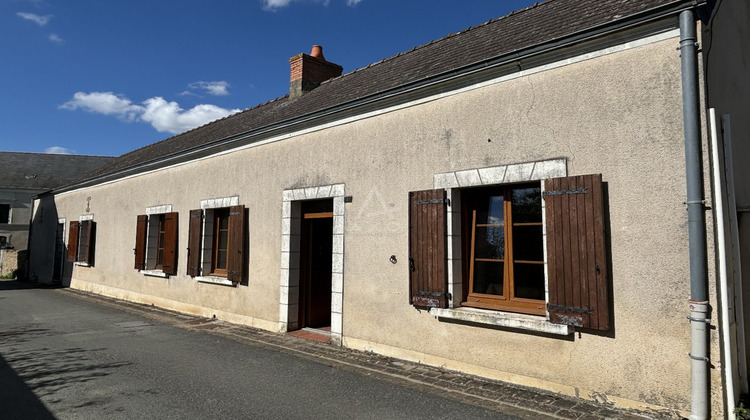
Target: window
[(504, 247), (81, 242), (4, 213), (503, 253), (156, 242), (216, 242), (220, 242)]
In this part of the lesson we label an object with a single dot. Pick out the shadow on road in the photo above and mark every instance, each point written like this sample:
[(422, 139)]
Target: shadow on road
[(32, 376), (17, 400), (19, 285)]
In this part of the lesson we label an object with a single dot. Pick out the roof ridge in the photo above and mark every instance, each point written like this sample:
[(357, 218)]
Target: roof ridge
[(57, 154), (435, 41)]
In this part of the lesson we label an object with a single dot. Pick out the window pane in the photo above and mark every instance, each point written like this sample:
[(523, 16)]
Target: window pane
[(490, 209), (160, 257), (527, 205), (221, 260), (488, 277), (4, 213), (223, 239), (224, 221), (528, 281), (527, 243), (489, 242)]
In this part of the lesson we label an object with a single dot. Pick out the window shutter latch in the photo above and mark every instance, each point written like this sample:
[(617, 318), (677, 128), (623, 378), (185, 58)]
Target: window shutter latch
[(411, 265)]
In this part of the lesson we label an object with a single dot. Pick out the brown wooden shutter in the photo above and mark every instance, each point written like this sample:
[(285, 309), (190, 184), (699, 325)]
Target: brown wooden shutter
[(427, 271), (576, 252), (87, 227), (140, 242), (195, 228), (73, 241), (169, 263), (236, 246)]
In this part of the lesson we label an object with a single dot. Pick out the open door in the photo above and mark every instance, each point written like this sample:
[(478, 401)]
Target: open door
[(316, 250)]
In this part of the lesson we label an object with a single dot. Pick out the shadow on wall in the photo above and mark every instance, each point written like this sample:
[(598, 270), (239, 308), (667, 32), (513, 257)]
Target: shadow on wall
[(47, 258)]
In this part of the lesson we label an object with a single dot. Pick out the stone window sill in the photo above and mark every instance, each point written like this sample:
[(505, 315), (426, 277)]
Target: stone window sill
[(503, 319), (216, 280), (154, 273), (82, 264)]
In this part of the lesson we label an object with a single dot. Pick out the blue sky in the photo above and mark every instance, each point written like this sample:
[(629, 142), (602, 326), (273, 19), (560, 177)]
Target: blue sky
[(104, 77)]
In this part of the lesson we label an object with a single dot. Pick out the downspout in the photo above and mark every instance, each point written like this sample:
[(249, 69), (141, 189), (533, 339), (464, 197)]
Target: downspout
[(696, 219)]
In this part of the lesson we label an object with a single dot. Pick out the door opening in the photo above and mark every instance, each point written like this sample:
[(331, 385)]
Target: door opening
[(59, 261), (316, 253)]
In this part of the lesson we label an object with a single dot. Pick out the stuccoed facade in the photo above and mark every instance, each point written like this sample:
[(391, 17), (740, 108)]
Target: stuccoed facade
[(611, 106)]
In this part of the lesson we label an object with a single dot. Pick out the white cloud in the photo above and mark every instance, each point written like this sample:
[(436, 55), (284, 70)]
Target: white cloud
[(219, 88), (39, 20), (162, 115), (106, 103), (56, 39), (169, 117), (352, 2), (277, 4), (57, 150)]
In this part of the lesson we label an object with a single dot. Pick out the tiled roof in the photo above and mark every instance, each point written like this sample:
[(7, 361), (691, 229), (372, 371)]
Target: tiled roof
[(40, 171), (539, 24)]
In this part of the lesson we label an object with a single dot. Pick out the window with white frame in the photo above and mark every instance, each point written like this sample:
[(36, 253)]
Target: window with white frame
[(506, 226), (82, 240), (156, 240), (216, 241)]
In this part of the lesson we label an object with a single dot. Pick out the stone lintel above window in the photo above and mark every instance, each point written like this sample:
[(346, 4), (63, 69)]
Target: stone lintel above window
[(518, 172), (160, 209), (217, 203)]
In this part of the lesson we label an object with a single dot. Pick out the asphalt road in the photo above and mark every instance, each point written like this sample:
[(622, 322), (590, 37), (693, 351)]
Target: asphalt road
[(67, 357)]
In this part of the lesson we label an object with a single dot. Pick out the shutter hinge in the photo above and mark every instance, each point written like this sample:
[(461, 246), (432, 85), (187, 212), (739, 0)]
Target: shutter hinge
[(562, 192), (234, 213)]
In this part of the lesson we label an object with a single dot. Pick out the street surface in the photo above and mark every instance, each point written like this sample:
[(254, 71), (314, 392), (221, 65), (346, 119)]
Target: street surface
[(70, 356)]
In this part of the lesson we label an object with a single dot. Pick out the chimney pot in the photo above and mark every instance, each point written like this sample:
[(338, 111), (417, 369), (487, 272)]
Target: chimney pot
[(317, 51)]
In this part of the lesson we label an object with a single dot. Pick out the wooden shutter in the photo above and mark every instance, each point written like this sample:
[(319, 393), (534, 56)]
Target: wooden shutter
[(195, 228), (576, 252), (73, 241), (169, 263), (427, 265), (87, 240), (236, 245), (140, 242)]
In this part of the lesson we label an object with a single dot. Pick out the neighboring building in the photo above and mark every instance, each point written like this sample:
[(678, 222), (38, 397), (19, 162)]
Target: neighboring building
[(507, 201), (23, 176)]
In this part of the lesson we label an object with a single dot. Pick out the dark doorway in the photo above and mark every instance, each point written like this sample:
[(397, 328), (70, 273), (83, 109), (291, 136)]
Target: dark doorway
[(316, 252), (57, 270)]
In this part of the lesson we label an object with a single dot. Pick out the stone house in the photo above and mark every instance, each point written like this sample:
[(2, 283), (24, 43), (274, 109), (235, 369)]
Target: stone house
[(22, 177), (508, 201)]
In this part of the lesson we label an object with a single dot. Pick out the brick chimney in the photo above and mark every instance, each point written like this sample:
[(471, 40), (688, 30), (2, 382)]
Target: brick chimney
[(309, 71)]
